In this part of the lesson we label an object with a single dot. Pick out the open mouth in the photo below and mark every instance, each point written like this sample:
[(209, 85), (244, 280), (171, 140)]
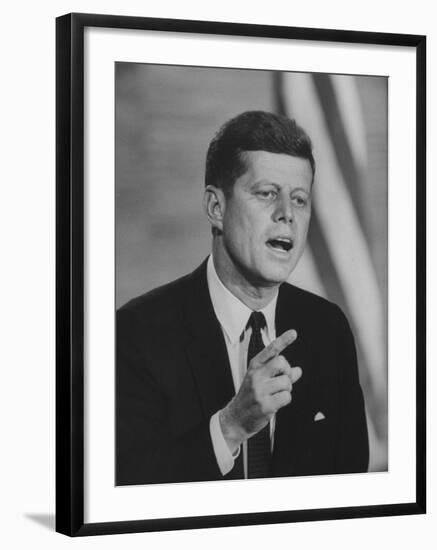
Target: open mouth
[(283, 244)]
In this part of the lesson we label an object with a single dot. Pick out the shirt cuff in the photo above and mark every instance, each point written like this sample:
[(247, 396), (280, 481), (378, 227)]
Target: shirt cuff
[(225, 459)]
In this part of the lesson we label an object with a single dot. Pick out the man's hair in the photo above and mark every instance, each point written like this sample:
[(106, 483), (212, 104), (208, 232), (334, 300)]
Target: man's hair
[(252, 131)]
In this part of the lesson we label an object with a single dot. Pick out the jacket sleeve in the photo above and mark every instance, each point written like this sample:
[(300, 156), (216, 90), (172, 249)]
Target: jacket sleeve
[(353, 442), (149, 449)]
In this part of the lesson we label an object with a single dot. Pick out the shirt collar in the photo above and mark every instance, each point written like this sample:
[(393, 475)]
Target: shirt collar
[(232, 314)]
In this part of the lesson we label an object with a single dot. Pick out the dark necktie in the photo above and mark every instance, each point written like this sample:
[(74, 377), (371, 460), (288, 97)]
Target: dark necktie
[(258, 446)]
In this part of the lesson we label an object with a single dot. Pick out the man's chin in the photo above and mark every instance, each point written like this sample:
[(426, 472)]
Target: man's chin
[(275, 277)]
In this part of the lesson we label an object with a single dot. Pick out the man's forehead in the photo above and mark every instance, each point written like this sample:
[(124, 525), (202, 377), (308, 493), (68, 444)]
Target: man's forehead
[(276, 166)]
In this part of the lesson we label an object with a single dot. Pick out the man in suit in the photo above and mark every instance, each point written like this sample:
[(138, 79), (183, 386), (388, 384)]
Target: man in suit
[(230, 372)]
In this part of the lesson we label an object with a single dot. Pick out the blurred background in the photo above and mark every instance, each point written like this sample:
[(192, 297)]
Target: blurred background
[(165, 119)]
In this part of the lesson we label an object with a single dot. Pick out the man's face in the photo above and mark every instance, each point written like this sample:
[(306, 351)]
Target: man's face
[(266, 218)]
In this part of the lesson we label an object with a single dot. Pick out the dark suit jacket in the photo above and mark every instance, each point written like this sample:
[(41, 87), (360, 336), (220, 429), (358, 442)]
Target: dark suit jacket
[(173, 374)]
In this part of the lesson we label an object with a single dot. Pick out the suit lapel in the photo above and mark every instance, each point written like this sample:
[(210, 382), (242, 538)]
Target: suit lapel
[(289, 315), (205, 346)]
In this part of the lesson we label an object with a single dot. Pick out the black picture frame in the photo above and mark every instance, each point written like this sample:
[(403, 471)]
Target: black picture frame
[(70, 489)]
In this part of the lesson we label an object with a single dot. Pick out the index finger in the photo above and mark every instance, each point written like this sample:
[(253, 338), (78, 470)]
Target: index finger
[(278, 345)]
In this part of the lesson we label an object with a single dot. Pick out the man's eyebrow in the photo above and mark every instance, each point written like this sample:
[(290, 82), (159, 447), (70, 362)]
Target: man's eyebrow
[(308, 192), (253, 185)]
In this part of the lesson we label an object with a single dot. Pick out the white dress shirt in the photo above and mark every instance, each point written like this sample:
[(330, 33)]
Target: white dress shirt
[(233, 317)]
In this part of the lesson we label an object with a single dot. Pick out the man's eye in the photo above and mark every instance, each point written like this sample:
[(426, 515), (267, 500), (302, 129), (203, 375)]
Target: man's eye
[(267, 194), (300, 201)]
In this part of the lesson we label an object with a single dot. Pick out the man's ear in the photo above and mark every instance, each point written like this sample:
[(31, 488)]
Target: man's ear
[(214, 204)]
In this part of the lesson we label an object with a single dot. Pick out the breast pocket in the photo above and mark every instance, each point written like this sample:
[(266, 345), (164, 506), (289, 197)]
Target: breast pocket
[(321, 442)]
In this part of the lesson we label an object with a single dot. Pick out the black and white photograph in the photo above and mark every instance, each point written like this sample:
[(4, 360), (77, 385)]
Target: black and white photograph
[(251, 258)]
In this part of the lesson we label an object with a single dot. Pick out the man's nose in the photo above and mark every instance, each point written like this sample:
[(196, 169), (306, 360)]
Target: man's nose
[(284, 210)]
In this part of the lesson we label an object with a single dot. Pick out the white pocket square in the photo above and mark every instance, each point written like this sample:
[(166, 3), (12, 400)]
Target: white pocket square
[(319, 416)]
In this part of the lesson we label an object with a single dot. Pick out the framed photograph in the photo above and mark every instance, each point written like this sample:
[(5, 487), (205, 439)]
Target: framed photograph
[(240, 274)]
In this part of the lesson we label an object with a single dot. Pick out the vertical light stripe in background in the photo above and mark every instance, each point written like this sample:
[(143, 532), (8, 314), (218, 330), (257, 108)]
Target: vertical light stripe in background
[(346, 92)]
